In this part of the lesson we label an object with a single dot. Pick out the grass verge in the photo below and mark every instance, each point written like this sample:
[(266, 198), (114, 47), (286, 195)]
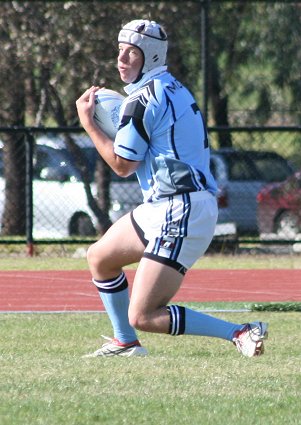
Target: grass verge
[(216, 261), (191, 380)]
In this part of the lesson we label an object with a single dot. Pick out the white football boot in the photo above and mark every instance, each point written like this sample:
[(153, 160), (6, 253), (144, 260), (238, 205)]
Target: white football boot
[(249, 340), (116, 348)]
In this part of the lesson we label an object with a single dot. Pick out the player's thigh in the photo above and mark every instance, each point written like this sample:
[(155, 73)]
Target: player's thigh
[(118, 247), (154, 286)]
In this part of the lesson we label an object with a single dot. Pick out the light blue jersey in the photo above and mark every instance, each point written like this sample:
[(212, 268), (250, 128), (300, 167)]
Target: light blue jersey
[(162, 126)]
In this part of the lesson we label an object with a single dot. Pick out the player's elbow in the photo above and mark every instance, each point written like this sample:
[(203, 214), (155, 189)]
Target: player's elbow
[(123, 173), (124, 168)]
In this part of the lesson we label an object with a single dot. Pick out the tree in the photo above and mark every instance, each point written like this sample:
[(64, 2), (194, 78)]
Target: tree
[(42, 48), (61, 49), (12, 113), (255, 64), (52, 51)]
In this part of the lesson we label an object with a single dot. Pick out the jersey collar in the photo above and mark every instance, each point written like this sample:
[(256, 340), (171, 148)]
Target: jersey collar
[(130, 88)]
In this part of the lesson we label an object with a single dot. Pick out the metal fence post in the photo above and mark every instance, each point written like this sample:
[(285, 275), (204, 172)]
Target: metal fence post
[(205, 55), (29, 141)]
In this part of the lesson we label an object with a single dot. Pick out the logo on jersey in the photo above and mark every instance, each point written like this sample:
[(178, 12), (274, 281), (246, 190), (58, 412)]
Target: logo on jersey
[(167, 243)]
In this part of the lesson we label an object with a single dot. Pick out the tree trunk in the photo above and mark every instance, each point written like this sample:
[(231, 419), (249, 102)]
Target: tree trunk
[(13, 110), (100, 209), (219, 104)]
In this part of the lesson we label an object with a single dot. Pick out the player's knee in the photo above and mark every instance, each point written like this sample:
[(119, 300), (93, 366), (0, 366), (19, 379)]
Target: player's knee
[(138, 321), (91, 255), (94, 258)]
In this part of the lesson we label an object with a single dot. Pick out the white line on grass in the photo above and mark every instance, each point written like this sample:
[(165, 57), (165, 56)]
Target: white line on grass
[(213, 310)]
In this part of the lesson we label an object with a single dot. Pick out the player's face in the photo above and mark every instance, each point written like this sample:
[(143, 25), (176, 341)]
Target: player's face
[(130, 62)]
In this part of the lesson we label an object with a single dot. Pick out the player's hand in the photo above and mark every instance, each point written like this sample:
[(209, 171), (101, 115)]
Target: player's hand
[(85, 105)]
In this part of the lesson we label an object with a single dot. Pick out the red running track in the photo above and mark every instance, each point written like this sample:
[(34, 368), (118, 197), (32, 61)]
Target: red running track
[(73, 290)]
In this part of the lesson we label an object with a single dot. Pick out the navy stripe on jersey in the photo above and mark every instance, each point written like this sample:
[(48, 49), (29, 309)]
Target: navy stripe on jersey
[(137, 123), (195, 179), (206, 140), (136, 105), (172, 128), (151, 87), (196, 109), (163, 126), (135, 109), (128, 149), (203, 179)]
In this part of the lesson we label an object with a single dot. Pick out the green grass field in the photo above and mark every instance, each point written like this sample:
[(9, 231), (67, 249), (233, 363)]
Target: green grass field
[(186, 380)]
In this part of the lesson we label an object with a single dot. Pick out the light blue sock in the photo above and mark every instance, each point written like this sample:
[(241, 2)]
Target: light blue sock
[(197, 323), (114, 294), (191, 322)]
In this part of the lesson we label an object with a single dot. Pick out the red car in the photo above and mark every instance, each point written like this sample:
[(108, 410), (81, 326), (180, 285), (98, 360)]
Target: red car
[(279, 207)]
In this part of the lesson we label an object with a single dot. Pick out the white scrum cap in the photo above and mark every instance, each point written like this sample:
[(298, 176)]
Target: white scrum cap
[(149, 37)]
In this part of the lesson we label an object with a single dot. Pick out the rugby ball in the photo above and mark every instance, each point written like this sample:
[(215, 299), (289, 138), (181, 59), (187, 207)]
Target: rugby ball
[(107, 108)]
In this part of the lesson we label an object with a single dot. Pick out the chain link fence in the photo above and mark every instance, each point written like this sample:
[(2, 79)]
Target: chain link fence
[(71, 197), (244, 70)]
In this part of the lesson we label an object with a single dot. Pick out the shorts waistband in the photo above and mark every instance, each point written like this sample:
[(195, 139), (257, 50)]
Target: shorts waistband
[(201, 195), (194, 196)]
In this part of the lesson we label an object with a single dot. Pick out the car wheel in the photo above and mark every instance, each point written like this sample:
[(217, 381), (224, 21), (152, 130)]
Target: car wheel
[(81, 225), (287, 225)]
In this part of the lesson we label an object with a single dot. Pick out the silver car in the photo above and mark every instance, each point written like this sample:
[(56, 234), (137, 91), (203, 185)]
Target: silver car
[(240, 175)]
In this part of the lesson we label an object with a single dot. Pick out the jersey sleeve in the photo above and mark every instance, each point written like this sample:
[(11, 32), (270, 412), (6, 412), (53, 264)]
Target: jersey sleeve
[(136, 126)]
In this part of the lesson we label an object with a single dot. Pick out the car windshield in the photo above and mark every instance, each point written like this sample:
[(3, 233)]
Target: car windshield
[(273, 169), (257, 166), (241, 168), (61, 162)]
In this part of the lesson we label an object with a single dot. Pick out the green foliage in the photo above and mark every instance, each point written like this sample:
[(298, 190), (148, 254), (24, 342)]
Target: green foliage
[(52, 51), (284, 307), (258, 62)]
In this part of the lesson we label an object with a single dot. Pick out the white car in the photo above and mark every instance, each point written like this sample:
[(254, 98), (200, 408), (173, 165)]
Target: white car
[(54, 167), (60, 203), (60, 206), (61, 210)]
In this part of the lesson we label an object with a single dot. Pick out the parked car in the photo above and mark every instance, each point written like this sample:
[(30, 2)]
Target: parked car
[(279, 208), (60, 202), (240, 175), (54, 162)]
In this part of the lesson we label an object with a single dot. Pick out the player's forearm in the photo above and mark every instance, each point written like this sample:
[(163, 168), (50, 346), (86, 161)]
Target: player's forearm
[(104, 145), (105, 148)]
